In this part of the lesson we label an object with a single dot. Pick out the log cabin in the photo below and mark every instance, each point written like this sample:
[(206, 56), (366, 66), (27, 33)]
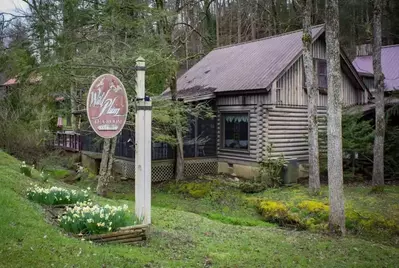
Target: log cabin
[(260, 99)]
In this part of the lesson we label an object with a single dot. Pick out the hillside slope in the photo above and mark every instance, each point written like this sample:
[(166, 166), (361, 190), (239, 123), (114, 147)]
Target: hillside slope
[(179, 239)]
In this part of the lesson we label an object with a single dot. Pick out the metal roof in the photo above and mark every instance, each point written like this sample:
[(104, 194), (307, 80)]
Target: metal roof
[(389, 64), (246, 66), (10, 82)]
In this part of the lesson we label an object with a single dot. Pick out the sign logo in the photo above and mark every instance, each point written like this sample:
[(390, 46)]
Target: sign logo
[(107, 106)]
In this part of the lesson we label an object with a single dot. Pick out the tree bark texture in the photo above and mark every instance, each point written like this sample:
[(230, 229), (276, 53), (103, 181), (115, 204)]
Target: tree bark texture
[(74, 122), (378, 163), (239, 21), (107, 158), (276, 21), (105, 173), (217, 18), (253, 22), (179, 155), (313, 96), (334, 124)]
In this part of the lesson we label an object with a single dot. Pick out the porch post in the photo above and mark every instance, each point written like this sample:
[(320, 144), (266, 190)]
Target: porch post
[(142, 147)]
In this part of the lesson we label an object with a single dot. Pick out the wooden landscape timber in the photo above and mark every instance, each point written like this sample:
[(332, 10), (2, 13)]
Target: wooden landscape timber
[(54, 211), (124, 235)]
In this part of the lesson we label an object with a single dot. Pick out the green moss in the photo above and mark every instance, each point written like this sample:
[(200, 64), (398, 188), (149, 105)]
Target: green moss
[(196, 189), (26, 171), (313, 206), (370, 222), (278, 212), (59, 174), (199, 193), (252, 187)]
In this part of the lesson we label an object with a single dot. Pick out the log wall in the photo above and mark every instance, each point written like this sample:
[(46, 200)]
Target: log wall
[(288, 131)]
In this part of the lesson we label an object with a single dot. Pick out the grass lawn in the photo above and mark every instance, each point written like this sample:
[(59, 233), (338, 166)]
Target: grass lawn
[(179, 239)]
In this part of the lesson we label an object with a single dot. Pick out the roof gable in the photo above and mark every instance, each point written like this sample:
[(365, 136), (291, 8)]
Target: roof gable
[(248, 66), (389, 64)]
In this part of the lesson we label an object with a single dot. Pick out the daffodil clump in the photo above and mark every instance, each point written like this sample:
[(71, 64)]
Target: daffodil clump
[(85, 218), (56, 195), (44, 176)]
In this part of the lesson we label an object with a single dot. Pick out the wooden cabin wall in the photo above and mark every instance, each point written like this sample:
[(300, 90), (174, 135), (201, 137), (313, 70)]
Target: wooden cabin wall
[(290, 86), (319, 49), (254, 105), (243, 100), (287, 131)]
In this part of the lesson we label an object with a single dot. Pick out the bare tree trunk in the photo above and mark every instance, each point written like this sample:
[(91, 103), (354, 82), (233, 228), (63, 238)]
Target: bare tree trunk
[(253, 22), (217, 17), (239, 21), (185, 15), (378, 163), (107, 158), (313, 96), (74, 122), (179, 155), (334, 124), (230, 24), (276, 21)]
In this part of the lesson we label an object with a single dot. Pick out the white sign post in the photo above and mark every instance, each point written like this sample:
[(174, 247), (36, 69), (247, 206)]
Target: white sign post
[(142, 147)]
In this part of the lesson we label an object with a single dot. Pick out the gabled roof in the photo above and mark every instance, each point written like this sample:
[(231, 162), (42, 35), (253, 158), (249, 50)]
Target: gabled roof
[(247, 66), (389, 64), (10, 82), (32, 79)]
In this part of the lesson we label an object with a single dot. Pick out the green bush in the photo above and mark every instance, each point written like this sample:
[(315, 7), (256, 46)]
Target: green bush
[(56, 195), (313, 215), (271, 169), (357, 146), (59, 174), (88, 219), (313, 206), (196, 189), (252, 187), (277, 212), (25, 169), (368, 222)]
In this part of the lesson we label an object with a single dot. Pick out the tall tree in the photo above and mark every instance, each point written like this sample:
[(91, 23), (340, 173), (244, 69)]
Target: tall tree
[(313, 97), (167, 26), (239, 17), (378, 163), (334, 121)]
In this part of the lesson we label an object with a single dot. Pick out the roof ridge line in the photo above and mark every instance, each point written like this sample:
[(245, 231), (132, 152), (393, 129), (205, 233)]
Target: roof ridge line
[(388, 46), (265, 38)]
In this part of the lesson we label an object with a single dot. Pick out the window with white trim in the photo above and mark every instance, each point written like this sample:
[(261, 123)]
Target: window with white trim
[(235, 131)]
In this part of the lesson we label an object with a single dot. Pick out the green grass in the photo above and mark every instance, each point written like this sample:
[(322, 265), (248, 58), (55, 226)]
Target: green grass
[(179, 239)]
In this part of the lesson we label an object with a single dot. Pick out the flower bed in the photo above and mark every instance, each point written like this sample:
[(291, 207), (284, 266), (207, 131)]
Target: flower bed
[(56, 195), (84, 218), (75, 213)]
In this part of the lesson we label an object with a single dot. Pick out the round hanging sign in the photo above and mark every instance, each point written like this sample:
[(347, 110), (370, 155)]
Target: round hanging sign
[(107, 106)]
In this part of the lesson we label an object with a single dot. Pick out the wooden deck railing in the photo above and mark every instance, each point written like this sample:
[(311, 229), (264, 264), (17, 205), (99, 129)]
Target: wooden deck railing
[(68, 141)]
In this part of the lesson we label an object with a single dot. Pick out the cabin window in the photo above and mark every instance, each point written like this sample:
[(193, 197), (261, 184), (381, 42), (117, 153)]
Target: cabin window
[(235, 131), (320, 67), (322, 73)]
